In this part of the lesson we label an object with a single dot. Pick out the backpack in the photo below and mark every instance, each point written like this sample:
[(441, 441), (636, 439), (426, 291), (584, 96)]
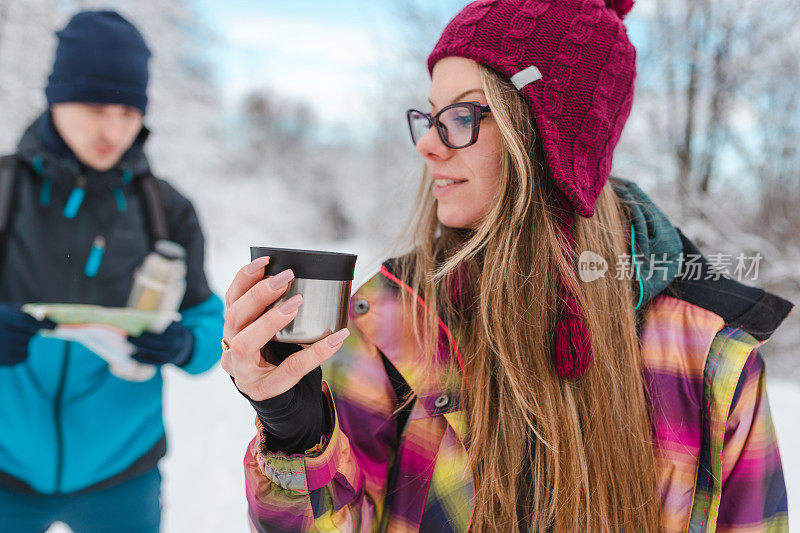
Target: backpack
[(155, 206)]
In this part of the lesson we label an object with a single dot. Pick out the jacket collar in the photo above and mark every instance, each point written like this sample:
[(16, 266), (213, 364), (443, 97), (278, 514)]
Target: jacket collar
[(377, 309), (753, 309)]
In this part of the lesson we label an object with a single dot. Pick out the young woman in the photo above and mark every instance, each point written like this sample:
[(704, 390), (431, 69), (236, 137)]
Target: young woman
[(486, 385)]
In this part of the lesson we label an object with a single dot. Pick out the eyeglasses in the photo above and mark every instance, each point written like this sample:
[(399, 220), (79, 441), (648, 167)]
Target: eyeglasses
[(457, 124)]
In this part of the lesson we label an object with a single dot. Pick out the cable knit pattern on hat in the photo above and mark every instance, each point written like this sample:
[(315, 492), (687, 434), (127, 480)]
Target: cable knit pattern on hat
[(569, 54), (522, 27), (580, 105), (597, 124), (464, 31)]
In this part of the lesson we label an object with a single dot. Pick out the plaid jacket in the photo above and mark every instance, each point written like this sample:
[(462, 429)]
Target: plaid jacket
[(714, 441)]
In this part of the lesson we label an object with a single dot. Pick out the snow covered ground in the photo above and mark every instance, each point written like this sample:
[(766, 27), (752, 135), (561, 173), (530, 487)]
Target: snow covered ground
[(784, 399)]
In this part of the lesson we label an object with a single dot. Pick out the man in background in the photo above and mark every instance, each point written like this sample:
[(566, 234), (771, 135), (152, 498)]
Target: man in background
[(78, 444)]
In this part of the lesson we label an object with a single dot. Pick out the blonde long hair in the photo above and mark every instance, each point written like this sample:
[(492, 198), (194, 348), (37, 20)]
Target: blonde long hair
[(588, 464)]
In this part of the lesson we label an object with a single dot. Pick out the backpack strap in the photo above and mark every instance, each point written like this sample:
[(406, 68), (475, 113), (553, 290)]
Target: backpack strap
[(155, 208), (7, 177)]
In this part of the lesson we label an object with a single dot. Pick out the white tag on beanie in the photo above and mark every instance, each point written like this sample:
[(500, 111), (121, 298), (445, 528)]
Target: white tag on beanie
[(524, 77)]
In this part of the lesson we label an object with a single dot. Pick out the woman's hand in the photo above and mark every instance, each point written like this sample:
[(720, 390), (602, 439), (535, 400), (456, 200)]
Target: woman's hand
[(248, 328)]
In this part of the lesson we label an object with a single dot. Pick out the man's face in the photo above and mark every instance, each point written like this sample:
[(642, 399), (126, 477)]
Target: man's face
[(98, 134)]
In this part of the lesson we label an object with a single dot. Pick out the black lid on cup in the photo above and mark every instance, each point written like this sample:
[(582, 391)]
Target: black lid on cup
[(307, 264)]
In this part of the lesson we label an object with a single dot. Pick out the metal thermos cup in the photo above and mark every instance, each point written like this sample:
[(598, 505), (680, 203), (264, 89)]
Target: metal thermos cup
[(324, 279)]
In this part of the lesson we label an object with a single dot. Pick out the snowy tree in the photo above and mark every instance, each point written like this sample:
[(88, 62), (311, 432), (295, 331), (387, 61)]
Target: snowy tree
[(26, 54), (714, 79)]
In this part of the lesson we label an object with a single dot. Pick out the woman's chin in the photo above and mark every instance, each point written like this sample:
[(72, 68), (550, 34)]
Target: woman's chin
[(454, 218)]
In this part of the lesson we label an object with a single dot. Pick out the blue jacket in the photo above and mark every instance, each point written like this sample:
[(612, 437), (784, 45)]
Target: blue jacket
[(66, 423)]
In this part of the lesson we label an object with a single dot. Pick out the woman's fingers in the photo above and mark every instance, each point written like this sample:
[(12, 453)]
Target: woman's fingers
[(248, 328), (253, 337), (247, 276), (286, 375), (252, 303)]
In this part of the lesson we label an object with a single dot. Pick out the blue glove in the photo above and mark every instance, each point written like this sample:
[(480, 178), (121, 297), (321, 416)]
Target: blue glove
[(174, 346), (16, 331)]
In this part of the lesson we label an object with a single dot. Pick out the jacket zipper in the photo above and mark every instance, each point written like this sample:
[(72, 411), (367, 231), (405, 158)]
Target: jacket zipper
[(62, 381), (57, 419)]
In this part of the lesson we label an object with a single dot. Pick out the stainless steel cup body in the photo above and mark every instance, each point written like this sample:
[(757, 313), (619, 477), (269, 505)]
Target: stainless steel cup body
[(324, 310)]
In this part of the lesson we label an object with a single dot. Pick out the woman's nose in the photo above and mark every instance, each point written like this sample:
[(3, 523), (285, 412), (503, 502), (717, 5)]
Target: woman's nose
[(430, 146)]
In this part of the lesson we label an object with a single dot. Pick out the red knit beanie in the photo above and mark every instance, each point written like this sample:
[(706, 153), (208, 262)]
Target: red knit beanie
[(575, 66)]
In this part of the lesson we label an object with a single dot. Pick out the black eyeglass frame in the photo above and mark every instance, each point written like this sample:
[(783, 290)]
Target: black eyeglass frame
[(477, 110)]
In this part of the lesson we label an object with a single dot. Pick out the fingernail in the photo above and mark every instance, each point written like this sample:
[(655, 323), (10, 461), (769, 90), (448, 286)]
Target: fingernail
[(337, 338), (257, 264), (289, 306), (279, 280)]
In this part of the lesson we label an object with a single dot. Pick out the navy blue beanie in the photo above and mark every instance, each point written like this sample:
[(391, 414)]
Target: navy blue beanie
[(101, 58)]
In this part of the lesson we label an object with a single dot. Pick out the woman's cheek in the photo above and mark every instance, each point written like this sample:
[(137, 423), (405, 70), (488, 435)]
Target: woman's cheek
[(488, 191)]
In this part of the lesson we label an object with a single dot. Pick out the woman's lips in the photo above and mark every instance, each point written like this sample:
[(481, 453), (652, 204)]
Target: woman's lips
[(443, 186)]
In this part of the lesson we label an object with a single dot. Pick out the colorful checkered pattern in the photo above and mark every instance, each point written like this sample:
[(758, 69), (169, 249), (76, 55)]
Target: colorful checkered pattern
[(715, 446)]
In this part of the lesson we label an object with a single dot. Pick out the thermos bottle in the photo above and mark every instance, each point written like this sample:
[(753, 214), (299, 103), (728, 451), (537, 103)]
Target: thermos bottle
[(159, 283)]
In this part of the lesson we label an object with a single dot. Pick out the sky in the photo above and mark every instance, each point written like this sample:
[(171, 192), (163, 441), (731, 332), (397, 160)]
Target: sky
[(331, 54)]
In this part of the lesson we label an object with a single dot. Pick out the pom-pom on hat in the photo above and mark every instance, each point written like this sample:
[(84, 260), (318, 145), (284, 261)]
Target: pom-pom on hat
[(622, 7), (573, 63)]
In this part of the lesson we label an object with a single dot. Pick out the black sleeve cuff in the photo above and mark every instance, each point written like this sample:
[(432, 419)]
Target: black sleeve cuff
[(296, 420), (298, 427)]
